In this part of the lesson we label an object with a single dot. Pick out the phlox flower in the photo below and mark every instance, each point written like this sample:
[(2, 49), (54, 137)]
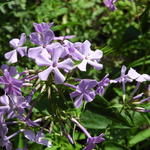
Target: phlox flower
[(89, 56), (54, 65), (84, 91), (17, 44), (38, 138), (110, 4)]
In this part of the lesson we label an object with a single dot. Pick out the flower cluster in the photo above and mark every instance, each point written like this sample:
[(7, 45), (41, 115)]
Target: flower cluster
[(57, 59)]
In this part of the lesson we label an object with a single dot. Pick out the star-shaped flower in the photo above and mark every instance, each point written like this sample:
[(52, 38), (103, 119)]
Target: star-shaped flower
[(84, 91), (17, 44)]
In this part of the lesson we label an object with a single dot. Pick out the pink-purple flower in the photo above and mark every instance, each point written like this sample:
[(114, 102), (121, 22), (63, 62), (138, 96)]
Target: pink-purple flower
[(110, 4), (84, 91), (17, 44), (54, 65)]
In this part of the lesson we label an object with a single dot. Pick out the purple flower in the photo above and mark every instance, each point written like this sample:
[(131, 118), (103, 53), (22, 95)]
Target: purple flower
[(17, 45), (12, 86), (122, 79), (103, 83), (54, 65), (89, 56), (92, 141), (42, 37), (38, 138), (84, 91), (133, 75), (4, 141), (110, 4), (71, 50), (42, 27)]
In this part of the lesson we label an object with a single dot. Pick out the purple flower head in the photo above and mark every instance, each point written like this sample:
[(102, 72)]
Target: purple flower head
[(123, 78), (17, 44), (38, 138), (89, 56), (42, 39), (12, 86), (103, 83), (110, 4), (133, 75), (54, 65), (84, 91), (11, 69), (42, 27), (92, 141), (36, 51), (71, 50), (4, 141)]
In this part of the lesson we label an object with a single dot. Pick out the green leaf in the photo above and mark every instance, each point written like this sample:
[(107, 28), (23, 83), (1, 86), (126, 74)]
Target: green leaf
[(141, 136), (43, 104), (94, 120), (102, 107)]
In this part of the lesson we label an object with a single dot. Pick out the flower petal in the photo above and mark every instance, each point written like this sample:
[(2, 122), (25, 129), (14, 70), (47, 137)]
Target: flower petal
[(42, 60), (66, 64), (96, 55), (95, 64), (29, 134), (14, 43), (133, 74), (82, 65), (22, 51), (22, 39), (58, 76), (78, 101), (11, 56), (44, 74)]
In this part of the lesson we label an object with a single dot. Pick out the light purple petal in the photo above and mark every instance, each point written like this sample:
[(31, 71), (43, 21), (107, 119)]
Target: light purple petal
[(56, 54), (44, 74), (40, 139), (90, 146), (22, 39), (11, 56), (75, 94), (90, 96), (146, 77), (82, 65), (22, 51), (66, 64), (85, 48), (14, 43), (58, 76), (30, 135), (133, 74), (34, 52), (12, 70), (42, 60), (42, 27), (35, 38), (78, 101), (47, 36), (140, 79), (123, 70), (97, 55), (95, 64)]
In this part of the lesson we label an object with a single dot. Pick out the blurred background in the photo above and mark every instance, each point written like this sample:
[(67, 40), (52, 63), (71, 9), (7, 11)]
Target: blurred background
[(123, 36)]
